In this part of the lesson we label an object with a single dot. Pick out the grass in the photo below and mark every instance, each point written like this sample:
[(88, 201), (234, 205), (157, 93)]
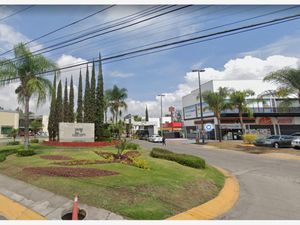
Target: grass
[(166, 189)]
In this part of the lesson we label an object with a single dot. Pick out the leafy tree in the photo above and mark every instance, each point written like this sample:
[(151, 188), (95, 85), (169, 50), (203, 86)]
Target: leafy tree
[(93, 95), (71, 102), (36, 125), (238, 100), (66, 103), (14, 133), (26, 69), (100, 102), (121, 146), (116, 97), (146, 114), (79, 116), (216, 102), (59, 106), (117, 129), (137, 118), (51, 121), (288, 80), (86, 106)]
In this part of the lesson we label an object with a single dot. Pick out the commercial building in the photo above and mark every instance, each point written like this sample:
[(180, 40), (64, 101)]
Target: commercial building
[(8, 120), (267, 115)]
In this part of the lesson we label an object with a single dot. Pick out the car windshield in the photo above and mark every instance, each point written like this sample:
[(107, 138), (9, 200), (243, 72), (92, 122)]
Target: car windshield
[(273, 137)]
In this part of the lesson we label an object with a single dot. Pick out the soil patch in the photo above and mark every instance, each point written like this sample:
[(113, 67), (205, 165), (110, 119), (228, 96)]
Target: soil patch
[(56, 157), (69, 172)]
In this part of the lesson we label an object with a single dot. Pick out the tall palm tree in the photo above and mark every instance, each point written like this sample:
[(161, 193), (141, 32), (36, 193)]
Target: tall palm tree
[(216, 102), (238, 100), (25, 68), (288, 80), (116, 100)]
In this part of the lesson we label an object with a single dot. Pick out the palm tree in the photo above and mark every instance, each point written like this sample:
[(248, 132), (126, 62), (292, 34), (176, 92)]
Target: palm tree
[(26, 67), (216, 102), (116, 100), (238, 100), (14, 133), (288, 80)]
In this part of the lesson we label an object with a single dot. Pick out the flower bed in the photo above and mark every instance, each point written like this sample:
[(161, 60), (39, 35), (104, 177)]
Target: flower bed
[(82, 162), (69, 172), (79, 144), (56, 157)]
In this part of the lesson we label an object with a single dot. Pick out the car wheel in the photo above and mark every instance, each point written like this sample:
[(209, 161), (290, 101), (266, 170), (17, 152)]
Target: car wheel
[(276, 145)]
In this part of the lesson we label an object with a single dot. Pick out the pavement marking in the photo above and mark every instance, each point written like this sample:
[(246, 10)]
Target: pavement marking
[(216, 207), (14, 211)]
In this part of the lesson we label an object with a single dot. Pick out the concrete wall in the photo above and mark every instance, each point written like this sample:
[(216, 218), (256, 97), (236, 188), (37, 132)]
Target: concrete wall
[(8, 119), (77, 132)]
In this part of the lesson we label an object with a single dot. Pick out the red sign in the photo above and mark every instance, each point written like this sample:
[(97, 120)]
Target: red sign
[(265, 121), (172, 125), (285, 120)]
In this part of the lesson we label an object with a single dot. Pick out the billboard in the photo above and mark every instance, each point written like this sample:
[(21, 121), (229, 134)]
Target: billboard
[(206, 112), (189, 112)]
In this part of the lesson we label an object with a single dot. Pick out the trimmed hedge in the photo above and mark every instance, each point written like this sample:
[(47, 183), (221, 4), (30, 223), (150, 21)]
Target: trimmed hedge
[(6, 152), (183, 159), (23, 153), (2, 158), (34, 141), (132, 146), (13, 143)]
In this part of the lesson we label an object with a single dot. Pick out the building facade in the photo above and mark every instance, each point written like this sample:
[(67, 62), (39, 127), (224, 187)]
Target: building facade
[(8, 120), (267, 115)]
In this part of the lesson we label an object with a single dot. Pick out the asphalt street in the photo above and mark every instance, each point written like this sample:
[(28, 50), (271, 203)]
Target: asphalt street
[(269, 187)]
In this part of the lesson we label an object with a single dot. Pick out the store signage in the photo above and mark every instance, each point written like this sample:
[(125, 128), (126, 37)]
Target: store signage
[(208, 127), (265, 121), (76, 132), (189, 112), (285, 120), (230, 126)]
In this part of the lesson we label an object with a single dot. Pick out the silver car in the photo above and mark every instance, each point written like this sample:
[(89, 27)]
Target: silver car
[(296, 143)]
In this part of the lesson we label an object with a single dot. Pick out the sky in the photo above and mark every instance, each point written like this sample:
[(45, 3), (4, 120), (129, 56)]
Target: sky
[(249, 55)]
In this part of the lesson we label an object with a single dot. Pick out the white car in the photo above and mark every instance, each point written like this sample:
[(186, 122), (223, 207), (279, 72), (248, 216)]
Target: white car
[(155, 138), (296, 143)]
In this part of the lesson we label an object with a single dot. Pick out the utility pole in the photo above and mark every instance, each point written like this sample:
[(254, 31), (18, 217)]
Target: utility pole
[(200, 101), (161, 114)]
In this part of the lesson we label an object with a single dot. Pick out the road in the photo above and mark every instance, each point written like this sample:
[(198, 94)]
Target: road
[(269, 187)]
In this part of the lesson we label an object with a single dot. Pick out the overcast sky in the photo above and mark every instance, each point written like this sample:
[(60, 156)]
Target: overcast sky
[(249, 55)]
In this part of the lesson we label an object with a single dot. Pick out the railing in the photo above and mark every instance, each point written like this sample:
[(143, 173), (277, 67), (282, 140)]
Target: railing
[(276, 110)]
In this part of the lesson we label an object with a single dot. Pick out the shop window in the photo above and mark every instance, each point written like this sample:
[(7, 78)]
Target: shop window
[(6, 129)]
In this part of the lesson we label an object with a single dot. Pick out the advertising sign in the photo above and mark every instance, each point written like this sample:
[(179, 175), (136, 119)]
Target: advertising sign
[(206, 112), (189, 112), (76, 132)]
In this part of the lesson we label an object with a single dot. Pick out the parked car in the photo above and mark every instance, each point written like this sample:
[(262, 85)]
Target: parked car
[(296, 134), (155, 138), (296, 143), (275, 141)]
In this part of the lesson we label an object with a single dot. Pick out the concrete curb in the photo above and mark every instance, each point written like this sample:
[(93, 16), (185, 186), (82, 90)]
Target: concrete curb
[(216, 207)]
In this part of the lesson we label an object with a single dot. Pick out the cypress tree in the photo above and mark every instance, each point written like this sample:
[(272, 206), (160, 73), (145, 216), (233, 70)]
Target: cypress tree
[(146, 116), (66, 103), (71, 102), (51, 121), (99, 103), (59, 106), (86, 106), (79, 115), (93, 95)]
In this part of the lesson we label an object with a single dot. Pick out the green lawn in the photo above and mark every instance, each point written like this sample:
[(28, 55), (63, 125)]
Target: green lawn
[(166, 189)]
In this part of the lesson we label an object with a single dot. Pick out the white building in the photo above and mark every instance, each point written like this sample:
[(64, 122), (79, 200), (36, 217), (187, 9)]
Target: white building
[(8, 120), (267, 116)]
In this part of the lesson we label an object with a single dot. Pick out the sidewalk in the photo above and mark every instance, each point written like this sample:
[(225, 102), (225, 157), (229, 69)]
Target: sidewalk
[(45, 203)]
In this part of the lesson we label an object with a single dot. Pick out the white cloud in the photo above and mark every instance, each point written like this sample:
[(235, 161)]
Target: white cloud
[(248, 67), (120, 74)]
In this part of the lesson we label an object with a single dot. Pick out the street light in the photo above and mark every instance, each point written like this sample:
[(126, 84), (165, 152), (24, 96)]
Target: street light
[(201, 109), (161, 131)]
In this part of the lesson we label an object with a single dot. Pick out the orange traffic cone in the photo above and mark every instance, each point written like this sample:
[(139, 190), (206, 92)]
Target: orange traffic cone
[(75, 208)]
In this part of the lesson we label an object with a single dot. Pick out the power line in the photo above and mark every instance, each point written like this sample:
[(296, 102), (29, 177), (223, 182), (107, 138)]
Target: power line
[(17, 12), (63, 27), (186, 41)]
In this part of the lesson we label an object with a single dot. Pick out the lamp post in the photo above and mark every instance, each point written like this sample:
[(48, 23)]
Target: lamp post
[(200, 101), (161, 130)]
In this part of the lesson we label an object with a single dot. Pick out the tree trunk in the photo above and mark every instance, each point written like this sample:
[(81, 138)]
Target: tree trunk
[(26, 142), (242, 122), (117, 116), (219, 129)]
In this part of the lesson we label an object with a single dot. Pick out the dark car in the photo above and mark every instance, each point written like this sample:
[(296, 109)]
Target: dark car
[(275, 141)]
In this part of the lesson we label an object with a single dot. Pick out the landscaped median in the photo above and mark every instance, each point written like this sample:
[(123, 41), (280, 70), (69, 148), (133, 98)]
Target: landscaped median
[(134, 185)]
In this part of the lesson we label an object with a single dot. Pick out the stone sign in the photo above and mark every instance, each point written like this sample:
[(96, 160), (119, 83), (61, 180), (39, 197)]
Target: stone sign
[(76, 132)]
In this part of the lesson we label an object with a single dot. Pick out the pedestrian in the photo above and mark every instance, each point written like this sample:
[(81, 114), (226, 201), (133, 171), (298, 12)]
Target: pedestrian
[(163, 141)]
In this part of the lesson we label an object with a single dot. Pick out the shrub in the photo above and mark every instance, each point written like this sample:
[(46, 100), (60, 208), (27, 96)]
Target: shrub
[(132, 146), (13, 143), (25, 153), (183, 159), (249, 138), (2, 158), (140, 163), (34, 141), (7, 152)]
